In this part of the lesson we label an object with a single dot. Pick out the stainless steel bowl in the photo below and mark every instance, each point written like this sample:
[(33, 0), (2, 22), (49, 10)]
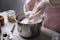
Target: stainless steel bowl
[(28, 30)]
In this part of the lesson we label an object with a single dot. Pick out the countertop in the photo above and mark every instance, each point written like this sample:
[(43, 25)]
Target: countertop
[(45, 34)]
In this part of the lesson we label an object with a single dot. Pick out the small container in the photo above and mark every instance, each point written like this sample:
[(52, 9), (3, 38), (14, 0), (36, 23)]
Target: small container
[(1, 20), (5, 36), (11, 16)]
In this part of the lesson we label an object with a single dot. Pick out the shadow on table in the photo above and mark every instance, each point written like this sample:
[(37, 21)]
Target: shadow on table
[(41, 37)]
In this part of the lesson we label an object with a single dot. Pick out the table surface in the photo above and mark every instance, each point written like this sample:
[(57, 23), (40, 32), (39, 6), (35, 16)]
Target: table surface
[(8, 27)]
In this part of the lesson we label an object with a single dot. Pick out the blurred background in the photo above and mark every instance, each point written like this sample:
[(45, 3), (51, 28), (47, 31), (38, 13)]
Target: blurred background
[(16, 5)]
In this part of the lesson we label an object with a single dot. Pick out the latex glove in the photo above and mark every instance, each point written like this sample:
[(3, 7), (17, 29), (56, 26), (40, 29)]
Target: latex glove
[(28, 14), (39, 10)]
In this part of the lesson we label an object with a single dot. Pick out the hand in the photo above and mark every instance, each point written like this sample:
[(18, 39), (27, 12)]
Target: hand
[(28, 14), (34, 17)]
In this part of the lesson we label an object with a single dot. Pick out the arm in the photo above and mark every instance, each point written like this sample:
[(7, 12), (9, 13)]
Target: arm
[(28, 6), (39, 10), (41, 5)]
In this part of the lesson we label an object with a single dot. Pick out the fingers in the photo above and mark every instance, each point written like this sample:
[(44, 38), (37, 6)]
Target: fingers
[(35, 16), (28, 14), (32, 17)]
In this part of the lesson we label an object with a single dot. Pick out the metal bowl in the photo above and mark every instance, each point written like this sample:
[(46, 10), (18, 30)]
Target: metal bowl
[(28, 30)]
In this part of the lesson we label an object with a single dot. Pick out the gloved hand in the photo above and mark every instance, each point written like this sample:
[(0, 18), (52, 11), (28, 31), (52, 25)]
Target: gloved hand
[(28, 14)]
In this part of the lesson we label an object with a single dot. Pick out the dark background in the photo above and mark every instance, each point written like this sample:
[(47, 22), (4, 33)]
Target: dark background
[(16, 5)]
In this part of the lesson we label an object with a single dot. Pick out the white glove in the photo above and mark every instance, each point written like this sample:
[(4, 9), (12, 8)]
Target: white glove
[(28, 14)]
